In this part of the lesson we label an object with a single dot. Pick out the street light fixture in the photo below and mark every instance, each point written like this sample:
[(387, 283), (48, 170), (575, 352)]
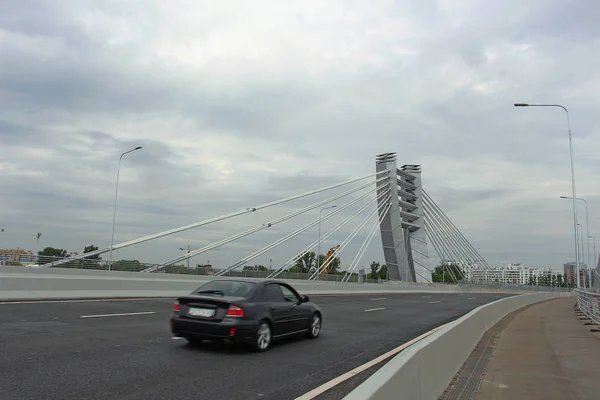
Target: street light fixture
[(572, 178), (189, 248), (319, 245), (587, 226), (112, 238), (595, 257)]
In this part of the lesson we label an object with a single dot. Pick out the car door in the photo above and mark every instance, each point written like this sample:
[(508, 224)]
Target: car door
[(300, 312), (281, 310)]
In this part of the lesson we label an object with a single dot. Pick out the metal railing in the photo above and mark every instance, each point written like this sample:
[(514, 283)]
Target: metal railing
[(136, 266), (475, 286), (588, 302)]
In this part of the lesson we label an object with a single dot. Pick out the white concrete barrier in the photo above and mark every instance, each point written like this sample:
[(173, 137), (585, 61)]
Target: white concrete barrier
[(19, 283), (424, 370)]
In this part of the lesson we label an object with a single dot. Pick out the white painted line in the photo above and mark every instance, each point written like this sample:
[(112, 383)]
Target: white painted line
[(177, 338), (336, 381), (379, 298), (375, 309), (79, 300), (433, 302), (426, 296), (471, 298), (118, 315)]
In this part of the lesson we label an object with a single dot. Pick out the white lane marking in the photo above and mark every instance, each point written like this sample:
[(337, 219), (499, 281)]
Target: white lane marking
[(118, 315), (79, 300), (379, 298), (471, 298), (177, 338), (433, 302), (426, 296), (336, 381), (375, 309)]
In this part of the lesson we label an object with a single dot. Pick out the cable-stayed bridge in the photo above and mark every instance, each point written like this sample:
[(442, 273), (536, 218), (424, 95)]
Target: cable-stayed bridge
[(97, 319), (391, 203)]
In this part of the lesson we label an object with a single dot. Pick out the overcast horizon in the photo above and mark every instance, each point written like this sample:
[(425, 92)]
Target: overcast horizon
[(241, 103)]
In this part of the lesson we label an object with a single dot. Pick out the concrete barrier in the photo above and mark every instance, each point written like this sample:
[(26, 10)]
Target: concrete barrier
[(424, 370), (18, 283)]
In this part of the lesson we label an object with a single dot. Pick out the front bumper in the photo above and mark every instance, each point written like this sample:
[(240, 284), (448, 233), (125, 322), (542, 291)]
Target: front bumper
[(231, 329)]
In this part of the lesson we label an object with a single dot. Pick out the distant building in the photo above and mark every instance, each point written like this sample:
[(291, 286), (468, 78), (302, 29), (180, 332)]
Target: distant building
[(514, 273), (16, 257), (584, 275)]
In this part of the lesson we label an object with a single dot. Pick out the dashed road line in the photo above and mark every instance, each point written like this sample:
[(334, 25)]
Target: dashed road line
[(80, 300), (118, 315), (434, 302), (379, 298), (375, 309)]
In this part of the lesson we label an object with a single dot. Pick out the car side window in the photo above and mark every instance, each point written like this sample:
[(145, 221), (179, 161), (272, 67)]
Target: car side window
[(288, 294), (272, 293)]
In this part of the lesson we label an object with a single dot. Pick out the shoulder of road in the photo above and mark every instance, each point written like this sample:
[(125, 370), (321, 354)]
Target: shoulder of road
[(543, 351)]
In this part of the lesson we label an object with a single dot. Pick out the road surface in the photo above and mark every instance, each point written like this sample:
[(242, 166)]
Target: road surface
[(82, 350)]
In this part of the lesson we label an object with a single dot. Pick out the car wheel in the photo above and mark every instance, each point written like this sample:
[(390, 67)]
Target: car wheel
[(263, 337), (194, 341), (314, 329)]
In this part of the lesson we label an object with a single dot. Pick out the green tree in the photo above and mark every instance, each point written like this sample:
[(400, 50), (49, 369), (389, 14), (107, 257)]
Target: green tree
[(128, 265), (89, 249), (50, 254), (374, 274), (559, 280), (53, 252), (383, 271), (255, 268), (450, 273), (305, 264)]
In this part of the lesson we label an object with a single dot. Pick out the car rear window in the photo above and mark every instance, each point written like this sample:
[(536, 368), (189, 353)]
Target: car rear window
[(226, 288)]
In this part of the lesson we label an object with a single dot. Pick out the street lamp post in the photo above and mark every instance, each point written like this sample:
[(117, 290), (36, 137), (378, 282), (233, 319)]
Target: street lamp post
[(581, 236), (188, 251), (319, 244), (594, 257), (587, 227), (112, 238), (572, 178)]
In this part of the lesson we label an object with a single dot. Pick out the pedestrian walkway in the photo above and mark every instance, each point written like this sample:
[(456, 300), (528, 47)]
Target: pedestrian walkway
[(545, 352)]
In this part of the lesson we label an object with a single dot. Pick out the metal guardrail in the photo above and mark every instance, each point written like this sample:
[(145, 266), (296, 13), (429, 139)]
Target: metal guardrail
[(589, 303)]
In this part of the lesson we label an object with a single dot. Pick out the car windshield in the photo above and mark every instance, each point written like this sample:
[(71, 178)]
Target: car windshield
[(226, 288)]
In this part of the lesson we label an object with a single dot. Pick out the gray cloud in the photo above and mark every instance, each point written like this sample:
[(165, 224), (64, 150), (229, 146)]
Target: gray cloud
[(226, 124)]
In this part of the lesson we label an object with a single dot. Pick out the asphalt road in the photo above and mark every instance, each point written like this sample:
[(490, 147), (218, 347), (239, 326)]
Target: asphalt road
[(64, 350)]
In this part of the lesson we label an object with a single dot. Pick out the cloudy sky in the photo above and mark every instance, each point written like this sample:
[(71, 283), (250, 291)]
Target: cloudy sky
[(237, 103)]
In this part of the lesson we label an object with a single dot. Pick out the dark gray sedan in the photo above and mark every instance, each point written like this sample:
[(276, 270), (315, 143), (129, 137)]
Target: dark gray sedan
[(245, 311)]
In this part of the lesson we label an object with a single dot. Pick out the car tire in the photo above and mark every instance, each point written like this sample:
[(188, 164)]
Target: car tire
[(263, 337), (314, 326), (194, 341)]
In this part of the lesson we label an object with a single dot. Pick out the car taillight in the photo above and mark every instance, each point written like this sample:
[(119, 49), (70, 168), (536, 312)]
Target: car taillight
[(176, 306), (234, 311)]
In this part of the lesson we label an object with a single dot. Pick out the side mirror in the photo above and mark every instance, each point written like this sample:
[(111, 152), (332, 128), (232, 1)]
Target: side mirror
[(305, 299)]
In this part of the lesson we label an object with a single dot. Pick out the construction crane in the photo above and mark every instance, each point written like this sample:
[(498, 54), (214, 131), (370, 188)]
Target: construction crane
[(327, 257)]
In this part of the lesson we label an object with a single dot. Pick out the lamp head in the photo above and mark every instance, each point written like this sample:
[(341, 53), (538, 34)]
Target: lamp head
[(137, 148), (521, 105)]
